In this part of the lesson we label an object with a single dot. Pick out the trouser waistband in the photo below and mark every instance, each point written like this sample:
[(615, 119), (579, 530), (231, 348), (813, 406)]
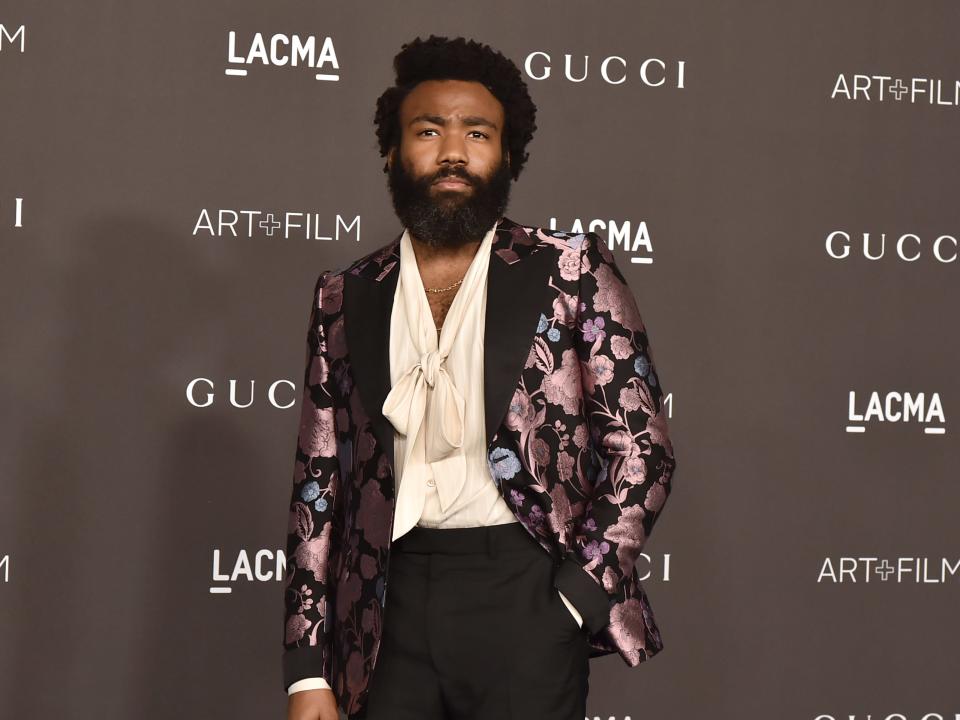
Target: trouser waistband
[(463, 540)]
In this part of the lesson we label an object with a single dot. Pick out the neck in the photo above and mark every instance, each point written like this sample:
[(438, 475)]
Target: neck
[(430, 254)]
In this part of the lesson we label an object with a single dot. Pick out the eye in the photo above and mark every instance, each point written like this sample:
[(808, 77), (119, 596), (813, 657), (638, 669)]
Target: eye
[(426, 130), (481, 134)]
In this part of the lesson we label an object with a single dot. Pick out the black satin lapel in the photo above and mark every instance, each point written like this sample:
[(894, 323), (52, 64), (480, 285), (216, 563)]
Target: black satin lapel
[(516, 295), (367, 305)]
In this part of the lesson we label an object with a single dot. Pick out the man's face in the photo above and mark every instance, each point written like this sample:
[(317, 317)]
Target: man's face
[(449, 178)]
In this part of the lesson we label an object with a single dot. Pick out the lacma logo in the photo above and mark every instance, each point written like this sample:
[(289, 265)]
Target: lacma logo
[(897, 407), (283, 51), (267, 565), (618, 233)]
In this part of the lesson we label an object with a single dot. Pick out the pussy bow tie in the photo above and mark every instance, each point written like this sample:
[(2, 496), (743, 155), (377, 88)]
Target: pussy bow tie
[(426, 398), (425, 405)]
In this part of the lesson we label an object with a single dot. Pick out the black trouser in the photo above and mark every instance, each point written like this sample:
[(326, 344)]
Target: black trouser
[(474, 630)]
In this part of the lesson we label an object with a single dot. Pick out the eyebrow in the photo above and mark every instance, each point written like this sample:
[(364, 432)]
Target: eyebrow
[(467, 120)]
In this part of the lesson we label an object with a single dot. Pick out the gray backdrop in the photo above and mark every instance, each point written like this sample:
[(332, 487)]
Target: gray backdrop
[(778, 181)]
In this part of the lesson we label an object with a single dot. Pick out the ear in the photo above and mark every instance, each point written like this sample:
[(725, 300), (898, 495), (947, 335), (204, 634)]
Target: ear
[(390, 153)]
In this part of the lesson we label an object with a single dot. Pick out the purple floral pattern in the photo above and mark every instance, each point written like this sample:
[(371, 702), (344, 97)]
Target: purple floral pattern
[(582, 456)]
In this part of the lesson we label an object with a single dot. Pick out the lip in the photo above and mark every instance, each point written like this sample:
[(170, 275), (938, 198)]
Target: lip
[(451, 182)]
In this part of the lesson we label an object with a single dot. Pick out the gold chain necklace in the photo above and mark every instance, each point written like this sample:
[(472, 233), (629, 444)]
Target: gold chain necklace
[(438, 290)]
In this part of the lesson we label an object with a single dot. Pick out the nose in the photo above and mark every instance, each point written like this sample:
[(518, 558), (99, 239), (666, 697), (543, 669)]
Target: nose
[(452, 151)]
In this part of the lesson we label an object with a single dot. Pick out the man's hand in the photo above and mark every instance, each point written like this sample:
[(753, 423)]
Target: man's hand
[(319, 704)]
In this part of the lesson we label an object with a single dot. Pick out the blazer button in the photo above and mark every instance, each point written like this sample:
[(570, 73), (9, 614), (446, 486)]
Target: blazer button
[(431, 482)]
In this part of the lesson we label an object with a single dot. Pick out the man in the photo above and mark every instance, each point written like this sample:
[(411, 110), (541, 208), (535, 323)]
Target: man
[(481, 440)]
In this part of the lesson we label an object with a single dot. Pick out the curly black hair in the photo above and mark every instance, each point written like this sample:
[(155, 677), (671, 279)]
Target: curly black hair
[(439, 58)]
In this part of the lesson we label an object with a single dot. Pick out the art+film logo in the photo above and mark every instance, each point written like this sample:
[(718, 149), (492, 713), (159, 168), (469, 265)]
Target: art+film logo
[(227, 222)]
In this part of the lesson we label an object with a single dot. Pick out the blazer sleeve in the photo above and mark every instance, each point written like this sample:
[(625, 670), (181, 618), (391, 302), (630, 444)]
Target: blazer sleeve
[(623, 403), (309, 586)]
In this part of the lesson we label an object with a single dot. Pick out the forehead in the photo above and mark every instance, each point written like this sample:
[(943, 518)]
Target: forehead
[(451, 98)]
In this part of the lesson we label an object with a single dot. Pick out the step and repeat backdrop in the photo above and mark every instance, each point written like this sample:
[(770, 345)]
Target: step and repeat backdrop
[(777, 181)]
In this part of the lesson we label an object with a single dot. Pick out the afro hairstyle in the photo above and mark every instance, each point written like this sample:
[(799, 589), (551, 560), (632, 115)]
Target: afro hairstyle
[(439, 58)]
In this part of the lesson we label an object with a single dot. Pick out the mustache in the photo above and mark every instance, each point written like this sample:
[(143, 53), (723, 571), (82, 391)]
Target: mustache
[(442, 224), (459, 173)]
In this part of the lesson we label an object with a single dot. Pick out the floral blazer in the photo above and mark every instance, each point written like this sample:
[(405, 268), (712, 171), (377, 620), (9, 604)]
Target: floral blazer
[(577, 446)]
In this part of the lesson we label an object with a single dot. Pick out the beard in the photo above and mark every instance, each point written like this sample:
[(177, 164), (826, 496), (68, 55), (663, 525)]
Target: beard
[(448, 218)]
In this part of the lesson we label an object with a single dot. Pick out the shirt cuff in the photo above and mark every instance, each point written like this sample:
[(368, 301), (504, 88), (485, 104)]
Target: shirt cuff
[(572, 609), (310, 683)]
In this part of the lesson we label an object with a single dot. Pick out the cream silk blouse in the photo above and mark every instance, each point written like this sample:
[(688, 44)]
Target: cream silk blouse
[(436, 408)]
